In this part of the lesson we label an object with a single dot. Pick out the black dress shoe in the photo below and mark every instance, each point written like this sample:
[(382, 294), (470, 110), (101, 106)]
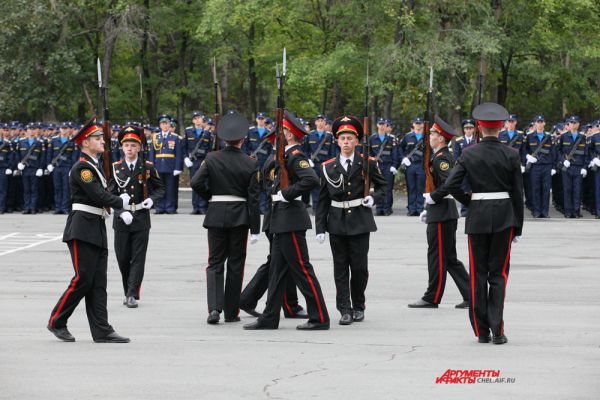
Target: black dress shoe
[(195, 212), (27, 212), (464, 304), (252, 311), (202, 211), (213, 317), (232, 319), (359, 315), (484, 338), (61, 333), (258, 325), (298, 313), (112, 338), (422, 304), (499, 339), (57, 212), (346, 319), (313, 326), (131, 302)]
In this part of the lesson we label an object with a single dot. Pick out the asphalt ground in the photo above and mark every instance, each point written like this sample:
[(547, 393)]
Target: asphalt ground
[(552, 319)]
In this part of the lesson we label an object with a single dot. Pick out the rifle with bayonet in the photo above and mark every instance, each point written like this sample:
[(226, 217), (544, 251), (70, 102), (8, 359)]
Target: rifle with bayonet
[(479, 95), (429, 181), (367, 139), (144, 141), (284, 180), (217, 115), (106, 130)]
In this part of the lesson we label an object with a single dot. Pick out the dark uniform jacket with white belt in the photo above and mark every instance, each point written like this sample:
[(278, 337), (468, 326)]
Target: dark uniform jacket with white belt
[(233, 173), (444, 209), (86, 186), (347, 221), (133, 185), (292, 216), (490, 167), (268, 179)]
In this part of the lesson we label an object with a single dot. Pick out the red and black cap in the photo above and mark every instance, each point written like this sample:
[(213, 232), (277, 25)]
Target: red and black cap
[(233, 126), (490, 115), (440, 126), (130, 133), (347, 124), (89, 129), (293, 124)]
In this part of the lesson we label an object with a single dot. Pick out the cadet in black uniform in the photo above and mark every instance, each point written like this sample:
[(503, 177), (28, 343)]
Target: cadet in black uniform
[(132, 225), (230, 181), (494, 221), (85, 234), (346, 214), (441, 217), (289, 222)]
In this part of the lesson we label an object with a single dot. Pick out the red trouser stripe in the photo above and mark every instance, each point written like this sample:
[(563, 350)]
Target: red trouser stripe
[(440, 263), (71, 287), (472, 271), (312, 285), (504, 274), (286, 305)]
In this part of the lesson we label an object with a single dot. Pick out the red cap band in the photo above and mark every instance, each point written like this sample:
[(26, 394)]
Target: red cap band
[(441, 131), (295, 131), (490, 124), (84, 135), (347, 128), (131, 136)]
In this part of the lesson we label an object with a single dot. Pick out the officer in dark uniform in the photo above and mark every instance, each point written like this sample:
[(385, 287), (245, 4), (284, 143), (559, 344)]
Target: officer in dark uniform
[(289, 222), (258, 285), (460, 144), (257, 145), (558, 197), (115, 148), (441, 216), (197, 143), (6, 165), (230, 181), (132, 224), (31, 161), (384, 147), (319, 146), (587, 195), (593, 166), (494, 221), (413, 166), (14, 200), (541, 167), (347, 215), (573, 165), (61, 155), (85, 234)]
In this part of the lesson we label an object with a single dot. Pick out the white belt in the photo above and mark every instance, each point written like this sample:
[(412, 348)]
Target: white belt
[(490, 196), (133, 207), (276, 197), (88, 209), (346, 204), (446, 197), (225, 197)]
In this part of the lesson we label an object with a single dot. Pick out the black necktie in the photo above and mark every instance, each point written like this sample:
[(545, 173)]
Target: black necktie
[(131, 167), (349, 163)]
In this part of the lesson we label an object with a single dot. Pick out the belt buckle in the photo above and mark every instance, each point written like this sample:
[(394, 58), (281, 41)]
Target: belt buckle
[(346, 204), (133, 207)]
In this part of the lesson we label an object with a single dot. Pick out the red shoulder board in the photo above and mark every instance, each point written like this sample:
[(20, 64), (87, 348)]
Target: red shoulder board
[(438, 154), (147, 162), (118, 162), (329, 161), (372, 158), (82, 159), (295, 151)]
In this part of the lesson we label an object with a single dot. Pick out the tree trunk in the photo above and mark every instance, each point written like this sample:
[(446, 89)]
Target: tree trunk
[(387, 103), (183, 82), (253, 80), (567, 62)]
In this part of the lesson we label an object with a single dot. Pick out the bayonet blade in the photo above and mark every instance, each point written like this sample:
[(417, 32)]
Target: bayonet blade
[(431, 78), (214, 70), (284, 62), (99, 73), (367, 83)]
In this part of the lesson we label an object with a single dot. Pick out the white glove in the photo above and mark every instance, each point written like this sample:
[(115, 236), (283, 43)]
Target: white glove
[(591, 164), (597, 161), (50, 167), (21, 166), (567, 163), (176, 172), (126, 217), (15, 172), (552, 172), (281, 197), (368, 201), (531, 159), (517, 239), (423, 216), (311, 163), (321, 238), (8, 171), (522, 169), (125, 198), (254, 238), (148, 203), (46, 172), (393, 170), (39, 172), (406, 161), (428, 198), (188, 163), (583, 172)]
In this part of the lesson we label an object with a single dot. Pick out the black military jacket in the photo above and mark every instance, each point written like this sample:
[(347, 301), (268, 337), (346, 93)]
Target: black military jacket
[(355, 220), (133, 185), (489, 167), (292, 216), (229, 172), (268, 179), (85, 182), (443, 209)]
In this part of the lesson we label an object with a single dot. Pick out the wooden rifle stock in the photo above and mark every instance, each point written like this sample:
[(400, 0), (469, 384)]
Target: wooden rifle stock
[(366, 151), (429, 181), (284, 179)]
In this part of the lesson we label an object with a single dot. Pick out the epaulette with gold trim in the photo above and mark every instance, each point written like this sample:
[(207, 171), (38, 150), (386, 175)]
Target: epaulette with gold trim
[(118, 162), (296, 151), (328, 161)]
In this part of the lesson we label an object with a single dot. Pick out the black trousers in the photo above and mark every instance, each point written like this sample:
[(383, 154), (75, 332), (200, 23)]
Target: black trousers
[(350, 270), (130, 248), (489, 255), (289, 255), (442, 258), (89, 282), (258, 285), (226, 244)]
